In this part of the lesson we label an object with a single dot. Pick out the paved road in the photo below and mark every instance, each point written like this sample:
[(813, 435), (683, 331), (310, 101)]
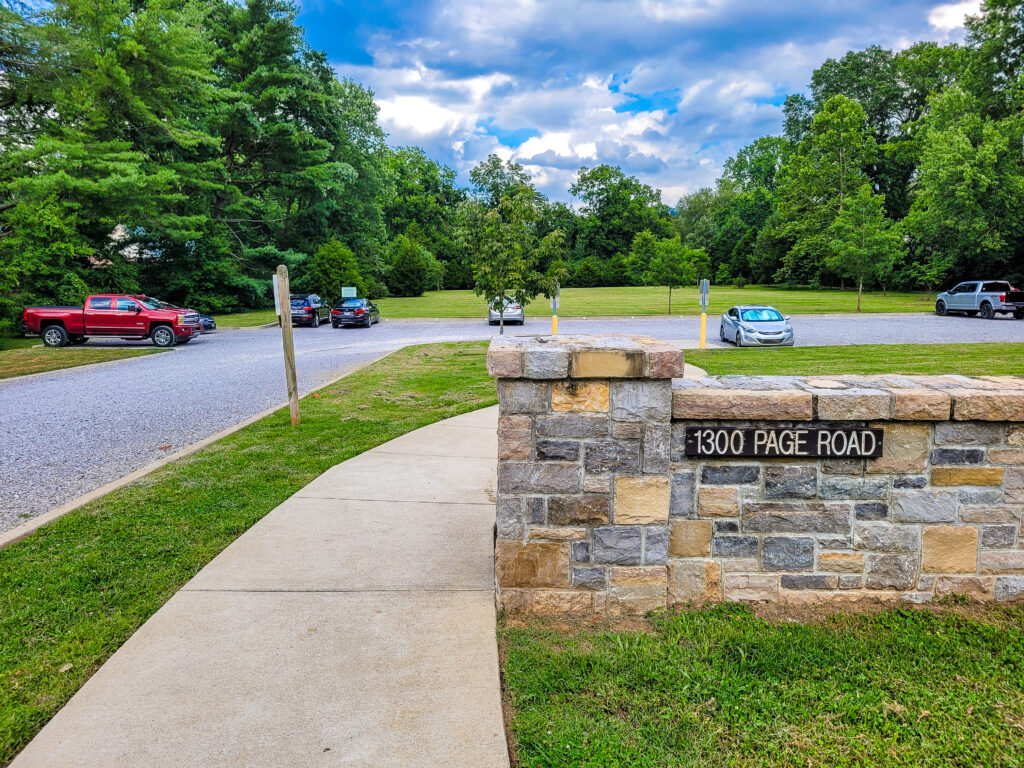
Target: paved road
[(71, 431)]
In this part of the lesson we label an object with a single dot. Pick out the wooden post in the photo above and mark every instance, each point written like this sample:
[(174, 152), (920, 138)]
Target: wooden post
[(284, 291)]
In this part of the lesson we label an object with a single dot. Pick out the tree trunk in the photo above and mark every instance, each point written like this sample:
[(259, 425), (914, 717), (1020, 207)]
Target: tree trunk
[(860, 290), (501, 321)]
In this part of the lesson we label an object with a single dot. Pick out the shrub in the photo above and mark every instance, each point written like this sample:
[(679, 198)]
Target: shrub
[(740, 282)]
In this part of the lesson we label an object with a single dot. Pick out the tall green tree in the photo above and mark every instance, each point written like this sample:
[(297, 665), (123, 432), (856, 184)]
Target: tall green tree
[(330, 269)]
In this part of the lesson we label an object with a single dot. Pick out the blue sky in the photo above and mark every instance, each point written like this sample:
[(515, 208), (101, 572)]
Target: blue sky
[(667, 89)]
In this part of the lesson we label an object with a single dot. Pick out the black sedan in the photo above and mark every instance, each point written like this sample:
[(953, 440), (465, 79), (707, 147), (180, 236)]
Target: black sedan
[(208, 323), (355, 312), (308, 309)]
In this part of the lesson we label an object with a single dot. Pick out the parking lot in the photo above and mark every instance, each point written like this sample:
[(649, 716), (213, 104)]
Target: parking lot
[(69, 432)]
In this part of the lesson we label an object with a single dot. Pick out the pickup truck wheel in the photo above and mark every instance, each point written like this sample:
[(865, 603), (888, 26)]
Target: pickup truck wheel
[(162, 336), (986, 311), (55, 336), (940, 308), (1018, 314), (78, 339)]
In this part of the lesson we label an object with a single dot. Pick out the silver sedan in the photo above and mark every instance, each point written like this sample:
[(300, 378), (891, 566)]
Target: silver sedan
[(756, 326), (513, 313)]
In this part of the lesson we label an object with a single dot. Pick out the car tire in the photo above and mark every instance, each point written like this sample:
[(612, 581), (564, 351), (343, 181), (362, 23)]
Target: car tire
[(162, 336), (55, 336), (315, 322), (739, 339), (987, 312), (1018, 314), (334, 324), (940, 308), (721, 333)]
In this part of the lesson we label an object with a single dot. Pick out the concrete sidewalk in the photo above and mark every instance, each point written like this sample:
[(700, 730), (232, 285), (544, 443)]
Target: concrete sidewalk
[(352, 626)]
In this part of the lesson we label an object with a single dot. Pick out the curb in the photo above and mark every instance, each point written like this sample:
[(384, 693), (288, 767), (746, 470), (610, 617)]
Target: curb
[(31, 526)]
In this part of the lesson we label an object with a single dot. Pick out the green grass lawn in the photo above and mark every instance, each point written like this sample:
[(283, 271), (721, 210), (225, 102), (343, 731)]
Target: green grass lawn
[(593, 302), (722, 687), (19, 362), (1003, 359), (74, 591)]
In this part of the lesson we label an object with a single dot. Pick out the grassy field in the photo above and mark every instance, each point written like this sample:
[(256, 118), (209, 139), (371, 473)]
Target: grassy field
[(1002, 359), (594, 302), (19, 362), (74, 591), (723, 687)]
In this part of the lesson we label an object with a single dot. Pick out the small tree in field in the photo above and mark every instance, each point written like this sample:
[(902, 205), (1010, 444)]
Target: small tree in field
[(862, 241), (410, 273), (672, 266), (330, 269)]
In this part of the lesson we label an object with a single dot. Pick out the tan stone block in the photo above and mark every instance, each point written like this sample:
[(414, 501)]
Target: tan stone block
[(531, 564), (1003, 562), (718, 502), (768, 405), (607, 364), (740, 565), (850, 404), (841, 562), (990, 513), (967, 476), (920, 405), (948, 549), (1014, 491), (985, 405), (597, 484), (750, 587), (548, 602), (543, 533), (694, 581), (1006, 455), (641, 500), (515, 601), (977, 587), (636, 600), (504, 362), (642, 575), (690, 538), (1015, 435), (904, 448), (581, 396), (514, 437)]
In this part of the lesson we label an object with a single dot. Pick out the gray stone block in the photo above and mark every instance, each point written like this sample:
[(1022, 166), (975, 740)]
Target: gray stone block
[(727, 526), (618, 456), (558, 450), (656, 448), (909, 481), (854, 467), (923, 507), (509, 518), (808, 581), (833, 542), (681, 502), (618, 544), (967, 433), (998, 536), (871, 510), (734, 546), (580, 551), (795, 517), (842, 487), (1009, 588), (571, 425), (850, 581), (546, 363), (733, 474), (785, 553), (538, 507), (980, 495), (782, 482), (641, 400), (890, 571), (590, 509), (678, 447), (882, 537), (655, 544), (958, 455), (519, 396), (546, 477), (589, 578)]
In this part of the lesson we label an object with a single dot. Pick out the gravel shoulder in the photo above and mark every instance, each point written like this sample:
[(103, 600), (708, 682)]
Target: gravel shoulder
[(71, 431)]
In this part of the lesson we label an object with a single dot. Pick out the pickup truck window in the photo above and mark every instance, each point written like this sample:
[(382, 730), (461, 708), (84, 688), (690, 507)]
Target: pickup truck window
[(995, 287), (99, 302), (126, 305)]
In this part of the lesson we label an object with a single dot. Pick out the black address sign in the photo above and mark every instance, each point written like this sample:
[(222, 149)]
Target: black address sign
[(795, 442)]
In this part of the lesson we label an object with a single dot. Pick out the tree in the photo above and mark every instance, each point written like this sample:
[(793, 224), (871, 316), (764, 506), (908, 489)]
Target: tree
[(672, 266), (862, 240), (757, 164), (495, 180), (330, 269), (641, 254), (410, 272)]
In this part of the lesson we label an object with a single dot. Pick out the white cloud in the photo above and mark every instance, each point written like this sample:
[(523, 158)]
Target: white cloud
[(951, 16)]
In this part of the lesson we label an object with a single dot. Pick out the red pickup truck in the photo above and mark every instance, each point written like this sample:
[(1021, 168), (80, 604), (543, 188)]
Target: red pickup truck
[(112, 314)]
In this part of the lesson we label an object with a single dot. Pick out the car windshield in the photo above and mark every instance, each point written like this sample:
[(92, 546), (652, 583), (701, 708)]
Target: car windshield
[(351, 303), (762, 315), (150, 303)]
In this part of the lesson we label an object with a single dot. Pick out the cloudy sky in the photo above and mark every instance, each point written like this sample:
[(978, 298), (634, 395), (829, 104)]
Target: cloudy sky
[(667, 89)]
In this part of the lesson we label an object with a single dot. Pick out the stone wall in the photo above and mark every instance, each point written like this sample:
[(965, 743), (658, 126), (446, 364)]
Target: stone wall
[(600, 511)]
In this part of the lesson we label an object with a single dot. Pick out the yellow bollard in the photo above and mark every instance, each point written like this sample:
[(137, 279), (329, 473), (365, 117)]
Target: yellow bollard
[(703, 329), (554, 325)]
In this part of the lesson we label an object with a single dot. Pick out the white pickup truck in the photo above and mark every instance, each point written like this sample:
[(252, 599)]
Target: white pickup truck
[(982, 297)]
